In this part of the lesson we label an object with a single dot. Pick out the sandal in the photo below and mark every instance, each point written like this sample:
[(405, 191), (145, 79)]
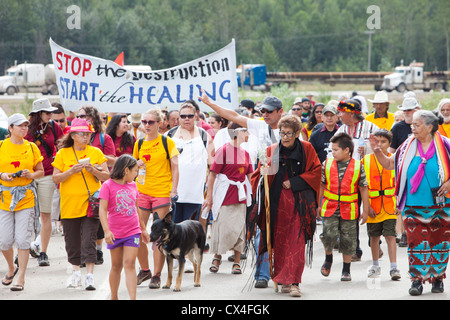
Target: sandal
[(326, 268), (17, 287), (236, 269), (9, 279), (214, 268)]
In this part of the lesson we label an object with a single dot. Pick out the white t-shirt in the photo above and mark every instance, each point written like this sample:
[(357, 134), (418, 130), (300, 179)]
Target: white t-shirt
[(261, 130), (192, 167)]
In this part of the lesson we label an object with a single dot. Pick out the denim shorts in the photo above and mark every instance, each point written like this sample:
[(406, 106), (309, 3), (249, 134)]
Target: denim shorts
[(131, 241)]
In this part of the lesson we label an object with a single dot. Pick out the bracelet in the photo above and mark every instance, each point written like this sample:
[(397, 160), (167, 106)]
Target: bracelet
[(1, 175)]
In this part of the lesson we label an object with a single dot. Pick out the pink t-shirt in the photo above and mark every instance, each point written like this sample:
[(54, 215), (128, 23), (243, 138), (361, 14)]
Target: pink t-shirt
[(123, 219)]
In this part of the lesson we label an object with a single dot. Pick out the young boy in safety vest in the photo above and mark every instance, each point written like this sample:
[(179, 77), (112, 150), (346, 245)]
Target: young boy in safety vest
[(382, 212), (342, 178)]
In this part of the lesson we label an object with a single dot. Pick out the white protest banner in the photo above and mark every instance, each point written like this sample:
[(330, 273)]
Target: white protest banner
[(87, 80)]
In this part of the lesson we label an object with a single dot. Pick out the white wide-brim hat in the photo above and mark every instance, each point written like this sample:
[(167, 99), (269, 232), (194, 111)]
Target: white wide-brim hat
[(409, 104), (42, 105), (380, 97)]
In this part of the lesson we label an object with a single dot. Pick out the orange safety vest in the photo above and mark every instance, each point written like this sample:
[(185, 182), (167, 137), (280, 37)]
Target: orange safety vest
[(381, 186), (344, 193)]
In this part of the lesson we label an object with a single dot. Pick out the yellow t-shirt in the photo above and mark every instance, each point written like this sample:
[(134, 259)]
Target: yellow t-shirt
[(382, 123), (74, 194), (16, 157), (446, 128), (158, 174)]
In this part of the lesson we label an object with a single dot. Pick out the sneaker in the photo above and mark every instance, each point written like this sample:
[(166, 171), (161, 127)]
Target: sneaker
[(155, 283), (143, 276), (34, 250), (416, 288), (295, 291), (286, 288), (261, 283), (356, 258), (99, 257), (43, 260), (374, 272), (403, 241), (89, 282), (346, 276), (437, 286), (74, 281), (395, 274), (188, 267)]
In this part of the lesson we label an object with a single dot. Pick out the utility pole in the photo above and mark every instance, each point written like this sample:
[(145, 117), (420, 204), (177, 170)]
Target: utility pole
[(370, 33)]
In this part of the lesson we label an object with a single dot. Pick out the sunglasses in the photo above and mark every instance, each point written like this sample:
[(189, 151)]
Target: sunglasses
[(188, 116), (149, 122), (83, 134), (60, 120), (266, 111), (296, 109), (81, 116)]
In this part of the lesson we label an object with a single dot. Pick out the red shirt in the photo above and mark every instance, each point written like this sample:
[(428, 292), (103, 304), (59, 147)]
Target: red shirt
[(236, 165), (128, 149), (108, 148)]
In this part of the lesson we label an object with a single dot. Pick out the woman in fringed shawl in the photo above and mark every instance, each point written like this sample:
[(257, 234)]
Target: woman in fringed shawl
[(294, 178), (422, 170)]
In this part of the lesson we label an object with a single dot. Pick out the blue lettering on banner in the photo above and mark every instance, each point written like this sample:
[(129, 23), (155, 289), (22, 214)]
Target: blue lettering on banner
[(165, 95), (74, 91), (153, 96)]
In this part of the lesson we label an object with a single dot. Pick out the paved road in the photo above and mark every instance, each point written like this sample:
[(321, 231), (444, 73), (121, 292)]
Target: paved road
[(44, 283)]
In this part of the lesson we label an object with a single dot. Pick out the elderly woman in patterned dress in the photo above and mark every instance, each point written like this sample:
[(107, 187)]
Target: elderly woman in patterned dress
[(424, 198)]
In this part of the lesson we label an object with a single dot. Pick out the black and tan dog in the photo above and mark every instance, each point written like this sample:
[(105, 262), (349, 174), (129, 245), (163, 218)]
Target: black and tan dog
[(177, 241)]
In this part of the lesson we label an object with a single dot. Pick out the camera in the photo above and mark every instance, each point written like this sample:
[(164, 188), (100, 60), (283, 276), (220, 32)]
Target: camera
[(437, 199), (18, 174)]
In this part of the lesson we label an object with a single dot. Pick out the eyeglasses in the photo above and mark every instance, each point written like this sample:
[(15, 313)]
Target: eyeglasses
[(189, 116), (83, 134), (287, 134), (149, 122)]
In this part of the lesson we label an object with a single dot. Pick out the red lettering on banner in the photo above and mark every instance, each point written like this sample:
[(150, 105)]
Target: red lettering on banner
[(76, 65)]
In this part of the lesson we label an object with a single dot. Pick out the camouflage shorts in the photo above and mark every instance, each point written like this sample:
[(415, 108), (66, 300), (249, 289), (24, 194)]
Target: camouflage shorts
[(335, 228)]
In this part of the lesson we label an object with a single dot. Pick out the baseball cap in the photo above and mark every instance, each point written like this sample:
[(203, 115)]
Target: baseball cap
[(329, 108), (17, 119), (271, 103)]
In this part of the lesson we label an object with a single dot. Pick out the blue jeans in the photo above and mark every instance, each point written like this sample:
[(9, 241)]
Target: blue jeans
[(262, 262), (184, 211)]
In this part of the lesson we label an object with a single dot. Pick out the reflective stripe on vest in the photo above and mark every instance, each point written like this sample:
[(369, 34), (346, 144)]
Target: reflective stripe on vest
[(381, 186), (342, 193)]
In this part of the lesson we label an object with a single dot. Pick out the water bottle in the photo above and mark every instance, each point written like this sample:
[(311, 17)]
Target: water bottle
[(141, 176), (361, 143)]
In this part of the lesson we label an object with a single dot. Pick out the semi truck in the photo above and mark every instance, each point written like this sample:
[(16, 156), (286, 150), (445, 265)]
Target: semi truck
[(253, 76), (413, 77), (29, 77)]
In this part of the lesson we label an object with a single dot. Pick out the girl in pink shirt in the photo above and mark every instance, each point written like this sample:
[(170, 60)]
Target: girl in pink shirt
[(121, 223)]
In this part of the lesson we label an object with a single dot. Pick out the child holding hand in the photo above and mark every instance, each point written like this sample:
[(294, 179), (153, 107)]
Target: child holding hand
[(122, 223)]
